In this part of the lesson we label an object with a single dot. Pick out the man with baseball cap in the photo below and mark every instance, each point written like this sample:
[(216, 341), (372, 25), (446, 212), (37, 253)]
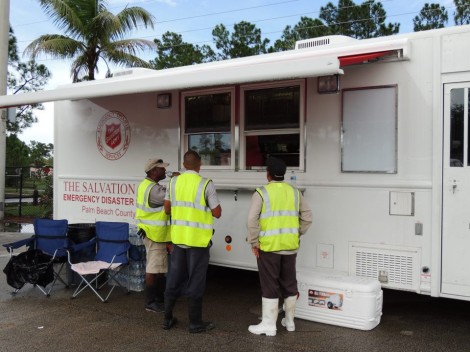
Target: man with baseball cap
[(154, 227), (278, 216)]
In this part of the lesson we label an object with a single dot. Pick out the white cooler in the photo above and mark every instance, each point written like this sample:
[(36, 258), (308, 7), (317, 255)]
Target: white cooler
[(349, 301)]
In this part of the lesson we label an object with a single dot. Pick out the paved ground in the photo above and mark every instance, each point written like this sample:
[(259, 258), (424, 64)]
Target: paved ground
[(31, 322)]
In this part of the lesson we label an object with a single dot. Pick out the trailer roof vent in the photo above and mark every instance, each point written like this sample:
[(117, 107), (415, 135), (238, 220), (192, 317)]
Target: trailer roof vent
[(132, 71), (122, 73), (322, 41)]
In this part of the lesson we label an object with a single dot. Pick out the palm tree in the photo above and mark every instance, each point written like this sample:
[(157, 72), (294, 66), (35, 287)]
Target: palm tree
[(92, 32)]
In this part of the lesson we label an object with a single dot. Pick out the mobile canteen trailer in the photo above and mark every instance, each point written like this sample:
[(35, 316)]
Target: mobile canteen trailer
[(376, 132)]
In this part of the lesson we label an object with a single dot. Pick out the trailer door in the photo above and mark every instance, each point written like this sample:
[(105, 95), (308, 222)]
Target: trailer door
[(456, 192)]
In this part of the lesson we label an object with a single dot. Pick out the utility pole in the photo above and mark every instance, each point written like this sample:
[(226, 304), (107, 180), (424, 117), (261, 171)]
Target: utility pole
[(4, 35)]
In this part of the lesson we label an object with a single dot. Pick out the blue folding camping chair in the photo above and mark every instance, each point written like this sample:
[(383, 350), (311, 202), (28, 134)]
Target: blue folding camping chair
[(44, 260), (112, 246)]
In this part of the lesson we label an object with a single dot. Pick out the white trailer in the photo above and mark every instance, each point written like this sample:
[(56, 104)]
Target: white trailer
[(376, 132)]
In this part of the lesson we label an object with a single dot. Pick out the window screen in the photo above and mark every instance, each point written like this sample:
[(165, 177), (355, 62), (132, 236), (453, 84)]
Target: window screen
[(272, 108), (209, 112)]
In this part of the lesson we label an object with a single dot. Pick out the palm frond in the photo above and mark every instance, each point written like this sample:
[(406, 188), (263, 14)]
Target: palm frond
[(79, 68), (132, 17), (131, 46), (64, 15), (55, 45), (120, 58), (107, 24)]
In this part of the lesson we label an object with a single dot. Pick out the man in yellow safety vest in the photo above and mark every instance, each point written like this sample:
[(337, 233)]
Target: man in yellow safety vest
[(278, 216), (192, 202), (154, 228)]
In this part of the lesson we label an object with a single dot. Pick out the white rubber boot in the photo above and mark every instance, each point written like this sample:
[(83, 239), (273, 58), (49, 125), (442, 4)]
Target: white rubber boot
[(269, 318), (289, 308)]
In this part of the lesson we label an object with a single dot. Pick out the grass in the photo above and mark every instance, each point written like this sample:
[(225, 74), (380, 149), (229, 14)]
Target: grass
[(28, 210)]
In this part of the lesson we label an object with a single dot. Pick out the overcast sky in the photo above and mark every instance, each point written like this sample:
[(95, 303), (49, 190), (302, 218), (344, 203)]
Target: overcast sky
[(194, 20)]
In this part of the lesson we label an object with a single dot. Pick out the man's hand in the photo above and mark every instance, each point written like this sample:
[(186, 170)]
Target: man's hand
[(141, 233), (167, 207), (169, 248), (255, 251)]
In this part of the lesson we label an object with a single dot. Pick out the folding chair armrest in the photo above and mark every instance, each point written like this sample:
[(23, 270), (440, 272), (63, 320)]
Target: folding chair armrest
[(126, 252), (79, 246), (18, 244), (60, 252)]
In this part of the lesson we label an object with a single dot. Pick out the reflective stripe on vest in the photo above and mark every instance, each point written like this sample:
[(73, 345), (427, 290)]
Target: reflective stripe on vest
[(191, 218), (153, 221), (279, 218)]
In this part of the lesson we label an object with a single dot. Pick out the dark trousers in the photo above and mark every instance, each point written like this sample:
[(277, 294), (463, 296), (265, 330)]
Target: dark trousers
[(187, 273), (277, 275)]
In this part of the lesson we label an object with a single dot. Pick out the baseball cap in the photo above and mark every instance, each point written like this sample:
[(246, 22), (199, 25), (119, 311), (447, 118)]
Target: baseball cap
[(151, 163), (276, 167)]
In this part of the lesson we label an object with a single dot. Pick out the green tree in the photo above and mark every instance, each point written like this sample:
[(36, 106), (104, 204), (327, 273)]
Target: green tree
[(91, 33), (306, 28), (17, 152), (41, 153), (12, 47), (24, 77), (371, 21), (47, 198), (366, 20), (245, 40), (431, 16), (174, 52), (462, 12)]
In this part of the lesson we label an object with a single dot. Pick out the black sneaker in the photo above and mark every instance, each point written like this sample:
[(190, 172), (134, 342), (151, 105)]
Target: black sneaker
[(169, 323), (155, 307), (203, 327)]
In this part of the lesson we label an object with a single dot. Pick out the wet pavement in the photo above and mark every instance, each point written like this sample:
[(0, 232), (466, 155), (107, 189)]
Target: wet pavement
[(32, 322)]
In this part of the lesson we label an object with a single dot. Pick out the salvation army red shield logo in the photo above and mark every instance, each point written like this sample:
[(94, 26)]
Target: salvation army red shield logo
[(113, 135)]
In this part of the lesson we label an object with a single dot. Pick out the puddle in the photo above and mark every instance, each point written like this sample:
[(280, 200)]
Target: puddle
[(16, 227)]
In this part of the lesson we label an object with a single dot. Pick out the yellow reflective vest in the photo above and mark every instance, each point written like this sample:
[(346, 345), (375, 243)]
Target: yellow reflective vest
[(191, 218), (279, 218), (153, 221)]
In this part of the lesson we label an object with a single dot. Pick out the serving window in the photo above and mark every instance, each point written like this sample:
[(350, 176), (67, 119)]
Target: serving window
[(270, 118), (271, 121), (208, 126)]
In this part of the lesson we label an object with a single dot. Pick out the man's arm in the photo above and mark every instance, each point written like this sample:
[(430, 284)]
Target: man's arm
[(305, 216), (167, 202), (167, 207), (157, 195), (253, 223), (212, 200)]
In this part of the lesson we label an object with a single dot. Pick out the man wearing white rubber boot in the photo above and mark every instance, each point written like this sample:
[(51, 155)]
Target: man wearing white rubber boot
[(278, 216)]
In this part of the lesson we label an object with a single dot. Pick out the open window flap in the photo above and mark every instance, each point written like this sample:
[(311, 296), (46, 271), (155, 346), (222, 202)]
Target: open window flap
[(361, 58)]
